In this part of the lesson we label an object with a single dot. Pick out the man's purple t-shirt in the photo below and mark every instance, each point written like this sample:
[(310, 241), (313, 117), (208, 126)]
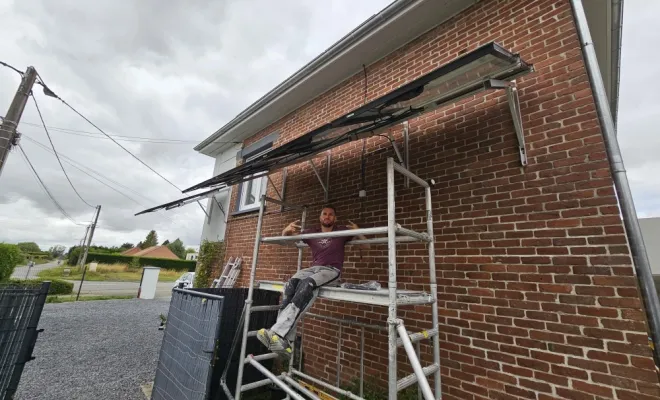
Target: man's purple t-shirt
[(328, 251)]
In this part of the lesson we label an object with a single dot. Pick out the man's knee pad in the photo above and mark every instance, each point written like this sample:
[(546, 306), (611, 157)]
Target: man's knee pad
[(304, 293), (289, 291)]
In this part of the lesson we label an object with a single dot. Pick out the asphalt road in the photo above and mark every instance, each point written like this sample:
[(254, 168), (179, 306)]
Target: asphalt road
[(163, 289), (21, 271), (94, 350)]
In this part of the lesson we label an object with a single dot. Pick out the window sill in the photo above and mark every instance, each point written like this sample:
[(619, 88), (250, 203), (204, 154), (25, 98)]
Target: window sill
[(245, 211)]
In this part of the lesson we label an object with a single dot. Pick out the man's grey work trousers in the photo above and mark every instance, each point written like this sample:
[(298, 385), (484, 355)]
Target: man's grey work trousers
[(299, 295)]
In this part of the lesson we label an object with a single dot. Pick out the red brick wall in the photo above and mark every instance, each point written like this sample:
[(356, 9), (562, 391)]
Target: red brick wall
[(537, 294)]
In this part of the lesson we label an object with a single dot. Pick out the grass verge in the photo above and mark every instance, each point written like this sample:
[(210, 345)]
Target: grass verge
[(107, 272), (72, 297)]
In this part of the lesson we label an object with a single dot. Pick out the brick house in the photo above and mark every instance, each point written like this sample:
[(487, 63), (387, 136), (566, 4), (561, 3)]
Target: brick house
[(537, 294)]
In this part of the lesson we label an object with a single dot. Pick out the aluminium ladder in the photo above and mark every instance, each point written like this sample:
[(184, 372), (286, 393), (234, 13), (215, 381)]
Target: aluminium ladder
[(391, 297), (229, 274)]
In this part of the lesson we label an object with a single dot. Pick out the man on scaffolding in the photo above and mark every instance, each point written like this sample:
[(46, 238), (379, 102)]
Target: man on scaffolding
[(303, 287)]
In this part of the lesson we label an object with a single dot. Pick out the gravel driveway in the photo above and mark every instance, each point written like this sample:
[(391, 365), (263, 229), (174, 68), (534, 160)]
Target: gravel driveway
[(95, 350)]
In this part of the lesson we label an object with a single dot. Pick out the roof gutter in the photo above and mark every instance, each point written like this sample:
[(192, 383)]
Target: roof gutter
[(617, 41), (627, 206), (347, 41)]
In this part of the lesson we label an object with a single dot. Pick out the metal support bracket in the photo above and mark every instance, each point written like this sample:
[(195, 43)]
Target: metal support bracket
[(406, 153), (514, 107), (325, 185), (284, 175)]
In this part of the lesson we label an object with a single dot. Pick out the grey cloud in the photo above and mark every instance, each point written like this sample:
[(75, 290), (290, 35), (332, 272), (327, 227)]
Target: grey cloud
[(139, 68)]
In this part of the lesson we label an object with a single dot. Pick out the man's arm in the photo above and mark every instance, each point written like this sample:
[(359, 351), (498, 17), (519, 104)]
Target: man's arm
[(291, 228), (353, 225)]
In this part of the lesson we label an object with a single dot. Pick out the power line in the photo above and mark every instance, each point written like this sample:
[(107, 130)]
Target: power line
[(80, 168), (124, 138), (11, 67), (50, 93), (45, 188), (55, 152)]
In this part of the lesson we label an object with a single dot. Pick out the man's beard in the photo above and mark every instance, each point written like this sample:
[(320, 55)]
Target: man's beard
[(328, 225)]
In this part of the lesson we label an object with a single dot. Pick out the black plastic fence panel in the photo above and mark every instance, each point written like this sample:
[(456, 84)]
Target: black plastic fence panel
[(20, 311), (184, 364), (231, 314)]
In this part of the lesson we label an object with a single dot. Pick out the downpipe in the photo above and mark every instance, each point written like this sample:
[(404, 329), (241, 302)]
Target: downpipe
[(622, 187)]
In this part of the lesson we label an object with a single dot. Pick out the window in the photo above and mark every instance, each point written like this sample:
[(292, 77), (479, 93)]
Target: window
[(250, 192)]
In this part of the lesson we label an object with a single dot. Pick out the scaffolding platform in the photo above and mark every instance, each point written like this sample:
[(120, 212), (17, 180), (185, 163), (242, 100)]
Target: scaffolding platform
[(380, 297)]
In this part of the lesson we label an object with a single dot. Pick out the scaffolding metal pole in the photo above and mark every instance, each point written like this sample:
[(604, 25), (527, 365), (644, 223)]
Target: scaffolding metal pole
[(299, 266), (434, 291), (362, 362), (391, 264), (248, 301), (414, 361), (273, 378)]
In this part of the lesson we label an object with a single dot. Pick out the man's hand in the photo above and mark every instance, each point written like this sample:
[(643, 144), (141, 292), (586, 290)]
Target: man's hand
[(291, 228), (352, 225)]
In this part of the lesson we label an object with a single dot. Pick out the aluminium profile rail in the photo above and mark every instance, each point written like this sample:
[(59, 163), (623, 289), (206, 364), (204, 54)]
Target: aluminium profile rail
[(390, 297)]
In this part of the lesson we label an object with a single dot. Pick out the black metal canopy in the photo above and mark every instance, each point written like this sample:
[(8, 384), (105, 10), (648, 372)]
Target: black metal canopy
[(183, 201), (462, 77)]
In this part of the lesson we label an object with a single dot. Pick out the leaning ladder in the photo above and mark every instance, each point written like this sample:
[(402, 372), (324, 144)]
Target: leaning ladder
[(397, 334), (229, 274)]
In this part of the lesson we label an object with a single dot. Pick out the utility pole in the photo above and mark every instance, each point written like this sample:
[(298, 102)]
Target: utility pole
[(8, 137), (82, 244), (89, 242)]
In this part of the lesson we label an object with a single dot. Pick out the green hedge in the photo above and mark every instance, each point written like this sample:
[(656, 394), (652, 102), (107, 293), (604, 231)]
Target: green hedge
[(57, 286), (179, 265), (10, 256)]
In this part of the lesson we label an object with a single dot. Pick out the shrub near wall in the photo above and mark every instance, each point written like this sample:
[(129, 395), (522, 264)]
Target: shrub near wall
[(10, 255), (211, 254), (179, 265)]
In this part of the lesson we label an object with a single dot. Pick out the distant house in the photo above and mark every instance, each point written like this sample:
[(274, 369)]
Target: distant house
[(132, 251), (191, 256), (151, 252)]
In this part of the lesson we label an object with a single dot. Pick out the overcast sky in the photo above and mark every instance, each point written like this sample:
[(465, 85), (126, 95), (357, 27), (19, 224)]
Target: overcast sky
[(138, 68), (181, 72)]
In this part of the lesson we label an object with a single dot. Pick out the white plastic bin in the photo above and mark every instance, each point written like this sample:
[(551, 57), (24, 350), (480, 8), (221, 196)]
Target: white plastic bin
[(148, 283)]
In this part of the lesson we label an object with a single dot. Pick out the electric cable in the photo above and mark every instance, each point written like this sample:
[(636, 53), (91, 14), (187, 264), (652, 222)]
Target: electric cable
[(71, 162), (11, 67), (125, 138), (55, 152), (50, 93), (45, 188)]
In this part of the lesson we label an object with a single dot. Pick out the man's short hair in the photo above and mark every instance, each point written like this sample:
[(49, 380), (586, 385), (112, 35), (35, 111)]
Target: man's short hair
[(330, 206)]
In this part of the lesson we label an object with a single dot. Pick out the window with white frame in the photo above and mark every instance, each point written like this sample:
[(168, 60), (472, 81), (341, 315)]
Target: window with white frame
[(250, 192)]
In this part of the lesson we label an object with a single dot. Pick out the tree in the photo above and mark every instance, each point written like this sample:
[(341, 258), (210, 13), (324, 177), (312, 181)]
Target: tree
[(126, 246), (140, 245), (29, 247), (165, 243), (57, 251), (151, 240), (178, 248), (190, 250), (10, 255)]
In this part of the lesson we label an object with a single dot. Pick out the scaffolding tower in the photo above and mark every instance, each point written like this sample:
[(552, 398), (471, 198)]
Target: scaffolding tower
[(391, 297)]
